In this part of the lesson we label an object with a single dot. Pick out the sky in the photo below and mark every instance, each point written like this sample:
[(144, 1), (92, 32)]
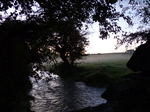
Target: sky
[(98, 45)]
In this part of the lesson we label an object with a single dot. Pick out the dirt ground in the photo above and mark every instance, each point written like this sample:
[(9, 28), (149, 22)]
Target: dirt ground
[(110, 57)]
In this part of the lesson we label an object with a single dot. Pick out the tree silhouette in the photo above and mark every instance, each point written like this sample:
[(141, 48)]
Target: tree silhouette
[(102, 11), (140, 17), (22, 47), (68, 41)]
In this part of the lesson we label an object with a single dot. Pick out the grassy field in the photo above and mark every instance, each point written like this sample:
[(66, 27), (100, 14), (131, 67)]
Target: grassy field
[(103, 69), (106, 58)]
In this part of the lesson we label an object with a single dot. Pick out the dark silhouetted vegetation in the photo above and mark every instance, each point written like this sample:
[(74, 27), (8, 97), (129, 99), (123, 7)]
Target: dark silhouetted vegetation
[(68, 42), (32, 27), (14, 68), (140, 19)]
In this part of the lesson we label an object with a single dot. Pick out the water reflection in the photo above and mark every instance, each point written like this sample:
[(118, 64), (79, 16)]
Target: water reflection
[(59, 95)]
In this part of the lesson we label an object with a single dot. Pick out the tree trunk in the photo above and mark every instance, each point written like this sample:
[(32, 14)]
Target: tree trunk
[(64, 58)]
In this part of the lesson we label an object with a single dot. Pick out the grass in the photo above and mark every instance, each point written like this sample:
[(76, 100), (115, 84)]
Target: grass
[(101, 70), (101, 74)]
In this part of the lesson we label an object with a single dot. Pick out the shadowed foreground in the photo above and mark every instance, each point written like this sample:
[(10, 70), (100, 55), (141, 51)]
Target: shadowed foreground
[(132, 95)]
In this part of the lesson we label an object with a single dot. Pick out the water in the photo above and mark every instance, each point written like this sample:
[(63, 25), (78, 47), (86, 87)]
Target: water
[(59, 95)]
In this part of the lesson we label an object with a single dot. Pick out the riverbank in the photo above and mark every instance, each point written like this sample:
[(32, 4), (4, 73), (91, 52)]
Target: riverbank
[(99, 70), (126, 91), (101, 74), (131, 95)]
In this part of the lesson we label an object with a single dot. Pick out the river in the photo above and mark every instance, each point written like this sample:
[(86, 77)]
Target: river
[(62, 95)]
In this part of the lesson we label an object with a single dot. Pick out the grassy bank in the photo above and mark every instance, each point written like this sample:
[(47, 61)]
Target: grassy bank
[(101, 74), (101, 69)]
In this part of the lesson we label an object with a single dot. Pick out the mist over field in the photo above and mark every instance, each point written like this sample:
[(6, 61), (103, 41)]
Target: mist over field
[(106, 57), (109, 57)]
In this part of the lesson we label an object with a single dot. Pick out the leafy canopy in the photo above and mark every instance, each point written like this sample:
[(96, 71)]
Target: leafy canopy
[(81, 11), (139, 11)]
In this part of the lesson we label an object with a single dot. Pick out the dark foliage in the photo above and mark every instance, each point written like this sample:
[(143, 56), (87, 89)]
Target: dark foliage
[(53, 11), (14, 68), (140, 18), (68, 42)]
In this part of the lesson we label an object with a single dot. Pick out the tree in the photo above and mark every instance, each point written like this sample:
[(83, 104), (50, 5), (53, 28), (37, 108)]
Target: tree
[(68, 41), (102, 11), (51, 13), (140, 17), (21, 47)]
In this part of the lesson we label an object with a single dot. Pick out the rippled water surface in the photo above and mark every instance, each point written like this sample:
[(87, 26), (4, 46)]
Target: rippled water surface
[(59, 95)]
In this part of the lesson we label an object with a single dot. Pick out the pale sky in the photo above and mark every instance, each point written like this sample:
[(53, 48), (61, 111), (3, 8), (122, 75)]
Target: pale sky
[(98, 45)]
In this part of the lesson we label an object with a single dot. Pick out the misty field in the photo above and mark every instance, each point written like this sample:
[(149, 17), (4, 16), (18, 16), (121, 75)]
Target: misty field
[(103, 58), (103, 69), (106, 58)]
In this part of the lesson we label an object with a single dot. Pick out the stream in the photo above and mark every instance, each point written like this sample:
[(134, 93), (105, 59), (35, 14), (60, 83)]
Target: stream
[(62, 95)]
